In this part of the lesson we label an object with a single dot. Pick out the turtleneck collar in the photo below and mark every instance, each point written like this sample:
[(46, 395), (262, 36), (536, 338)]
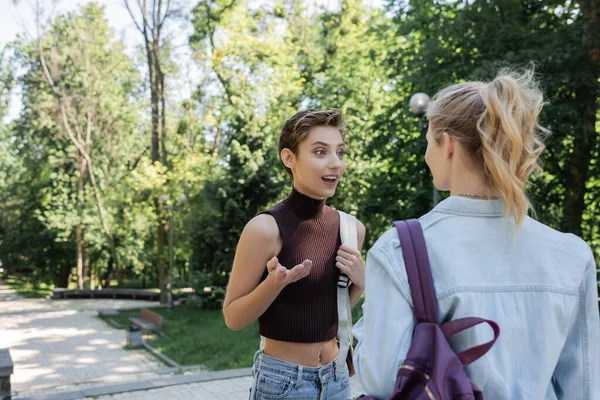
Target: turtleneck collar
[(303, 205)]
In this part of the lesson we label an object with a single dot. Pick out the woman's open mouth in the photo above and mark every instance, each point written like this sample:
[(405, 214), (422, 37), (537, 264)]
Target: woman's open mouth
[(331, 180)]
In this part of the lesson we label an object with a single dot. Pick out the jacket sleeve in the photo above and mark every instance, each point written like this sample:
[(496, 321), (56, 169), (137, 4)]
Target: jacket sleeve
[(385, 330), (577, 374)]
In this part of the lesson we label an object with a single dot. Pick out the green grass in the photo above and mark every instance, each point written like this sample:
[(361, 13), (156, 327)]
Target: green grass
[(196, 336), (27, 288)]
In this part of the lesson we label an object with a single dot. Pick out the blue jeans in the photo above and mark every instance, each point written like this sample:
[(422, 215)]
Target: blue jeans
[(277, 379)]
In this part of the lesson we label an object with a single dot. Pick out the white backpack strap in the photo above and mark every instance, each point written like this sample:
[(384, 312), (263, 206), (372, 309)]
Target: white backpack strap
[(348, 234)]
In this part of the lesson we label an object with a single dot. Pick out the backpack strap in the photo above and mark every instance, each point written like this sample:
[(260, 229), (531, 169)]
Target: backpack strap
[(416, 261), (348, 235), (474, 353)]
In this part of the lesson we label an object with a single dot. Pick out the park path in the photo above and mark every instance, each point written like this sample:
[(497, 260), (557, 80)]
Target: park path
[(61, 348), (61, 344)]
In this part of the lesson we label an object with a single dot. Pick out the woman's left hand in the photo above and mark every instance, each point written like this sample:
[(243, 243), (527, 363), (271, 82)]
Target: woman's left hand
[(350, 262)]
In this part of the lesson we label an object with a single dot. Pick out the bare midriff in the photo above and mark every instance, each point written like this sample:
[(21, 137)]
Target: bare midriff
[(305, 354)]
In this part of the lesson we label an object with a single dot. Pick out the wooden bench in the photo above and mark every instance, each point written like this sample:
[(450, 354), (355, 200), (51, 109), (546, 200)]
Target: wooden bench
[(107, 293), (148, 320), (6, 370)]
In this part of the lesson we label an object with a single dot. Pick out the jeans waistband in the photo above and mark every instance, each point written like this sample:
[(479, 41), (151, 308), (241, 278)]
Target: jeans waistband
[(300, 372)]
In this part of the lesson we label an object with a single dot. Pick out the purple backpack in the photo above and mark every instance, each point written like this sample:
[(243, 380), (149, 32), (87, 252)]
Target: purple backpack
[(432, 370)]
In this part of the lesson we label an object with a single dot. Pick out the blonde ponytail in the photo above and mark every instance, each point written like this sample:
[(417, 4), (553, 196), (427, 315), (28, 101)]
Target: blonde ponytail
[(497, 122), (509, 131)]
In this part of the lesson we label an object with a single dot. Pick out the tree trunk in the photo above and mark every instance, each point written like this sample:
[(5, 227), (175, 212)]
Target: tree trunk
[(163, 105), (155, 121), (152, 20), (109, 271), (92, 279), (121, 275), (159, 154), (81, 163), (163, 266), (84, 255), (79, 239), (63, 276), (585, 141)]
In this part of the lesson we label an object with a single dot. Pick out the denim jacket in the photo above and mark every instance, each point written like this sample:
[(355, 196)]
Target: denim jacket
[(538, 284)]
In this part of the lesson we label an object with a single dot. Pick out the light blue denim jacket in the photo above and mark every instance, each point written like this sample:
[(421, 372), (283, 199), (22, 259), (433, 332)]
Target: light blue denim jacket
[(539, 286)]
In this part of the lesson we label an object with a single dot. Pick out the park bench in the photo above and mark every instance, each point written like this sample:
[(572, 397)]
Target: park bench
[(6, 370), (107, 293), (148, 320)]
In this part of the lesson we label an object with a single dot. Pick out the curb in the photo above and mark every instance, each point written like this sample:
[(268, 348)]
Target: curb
[(154, 383), (162, 357)]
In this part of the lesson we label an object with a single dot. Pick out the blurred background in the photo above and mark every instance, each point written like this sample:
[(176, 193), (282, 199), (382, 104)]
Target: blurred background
[(138, 137)]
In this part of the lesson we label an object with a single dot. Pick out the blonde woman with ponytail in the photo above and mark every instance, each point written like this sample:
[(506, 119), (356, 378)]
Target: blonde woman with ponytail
[(488, 258)]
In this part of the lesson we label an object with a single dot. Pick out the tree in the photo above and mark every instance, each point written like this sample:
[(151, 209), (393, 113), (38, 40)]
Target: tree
[(254, 87), (269, 62), (448, 42), (587, 93), (77, 91), (6, 82), (342, 59), (150, 18)]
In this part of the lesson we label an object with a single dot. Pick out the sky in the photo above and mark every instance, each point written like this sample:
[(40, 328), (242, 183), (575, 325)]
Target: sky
[(15, 19)]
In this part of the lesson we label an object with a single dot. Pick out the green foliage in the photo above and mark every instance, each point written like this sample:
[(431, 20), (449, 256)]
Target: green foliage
[(29, 288), (260, 62), (96, 82), (442, 43), (258, 88), (6, 82)]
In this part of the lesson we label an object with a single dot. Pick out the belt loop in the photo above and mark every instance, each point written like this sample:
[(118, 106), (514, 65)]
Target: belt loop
[(335, 371), (256, 363), (257, 355), (299, 379)]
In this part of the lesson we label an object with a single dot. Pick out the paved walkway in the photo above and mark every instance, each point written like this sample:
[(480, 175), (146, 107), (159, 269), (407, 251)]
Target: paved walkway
[(61, 344), (226, 389), (7, 294)]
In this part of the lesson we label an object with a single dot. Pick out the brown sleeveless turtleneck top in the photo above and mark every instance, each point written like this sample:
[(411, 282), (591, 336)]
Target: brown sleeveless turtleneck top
[(305, 311)]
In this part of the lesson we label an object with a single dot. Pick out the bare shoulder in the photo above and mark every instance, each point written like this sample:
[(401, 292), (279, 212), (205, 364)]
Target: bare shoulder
[(259, 241), (263, 226)]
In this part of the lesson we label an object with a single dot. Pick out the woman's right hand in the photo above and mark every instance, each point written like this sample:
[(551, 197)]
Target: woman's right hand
[(282, 276)]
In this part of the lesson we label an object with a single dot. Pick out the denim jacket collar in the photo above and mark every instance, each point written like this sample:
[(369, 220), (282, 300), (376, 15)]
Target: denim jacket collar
[(459, 205)]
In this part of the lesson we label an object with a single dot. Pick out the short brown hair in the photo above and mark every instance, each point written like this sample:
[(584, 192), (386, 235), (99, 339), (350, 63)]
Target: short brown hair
[(296, 129)]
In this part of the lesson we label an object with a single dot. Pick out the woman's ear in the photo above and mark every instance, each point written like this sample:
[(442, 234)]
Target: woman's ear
[(288, 158), (448, 145)]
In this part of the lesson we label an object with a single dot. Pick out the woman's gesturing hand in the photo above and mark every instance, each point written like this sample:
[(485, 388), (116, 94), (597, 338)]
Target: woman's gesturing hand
[(282, 276)]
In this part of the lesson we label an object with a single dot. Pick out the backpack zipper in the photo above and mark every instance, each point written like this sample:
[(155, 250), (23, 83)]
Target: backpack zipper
[(410, 367)]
